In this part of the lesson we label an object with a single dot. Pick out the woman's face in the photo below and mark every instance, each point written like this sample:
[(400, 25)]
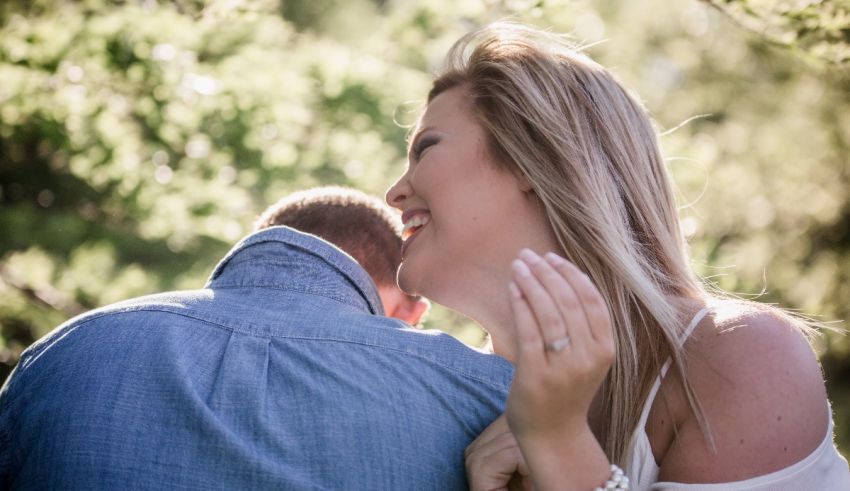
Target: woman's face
[(464, 216)]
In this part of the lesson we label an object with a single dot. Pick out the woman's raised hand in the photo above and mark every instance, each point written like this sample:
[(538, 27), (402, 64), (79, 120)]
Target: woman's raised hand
[(565, 347)]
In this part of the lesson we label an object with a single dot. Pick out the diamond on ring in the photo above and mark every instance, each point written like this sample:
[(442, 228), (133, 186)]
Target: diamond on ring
[(558, 344)]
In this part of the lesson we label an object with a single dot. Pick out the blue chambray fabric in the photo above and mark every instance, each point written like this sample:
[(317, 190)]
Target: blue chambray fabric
[(280, 373)]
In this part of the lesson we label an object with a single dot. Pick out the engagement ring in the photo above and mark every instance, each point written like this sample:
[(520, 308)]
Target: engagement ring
[(558, 344)]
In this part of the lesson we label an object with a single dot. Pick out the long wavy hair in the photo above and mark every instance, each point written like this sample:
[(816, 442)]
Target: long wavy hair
[(589, 149)]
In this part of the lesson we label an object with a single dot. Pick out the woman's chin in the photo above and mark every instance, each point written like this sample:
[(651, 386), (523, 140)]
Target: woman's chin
[(408, 280), (415, 280)]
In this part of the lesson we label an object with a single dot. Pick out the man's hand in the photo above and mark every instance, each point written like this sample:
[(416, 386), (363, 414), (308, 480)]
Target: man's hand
[(494, 461)]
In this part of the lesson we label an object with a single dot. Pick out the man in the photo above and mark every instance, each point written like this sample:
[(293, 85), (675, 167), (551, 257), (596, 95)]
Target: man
[(280, 373), (361, 225)]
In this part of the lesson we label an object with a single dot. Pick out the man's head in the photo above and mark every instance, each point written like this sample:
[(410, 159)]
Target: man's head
[(359, 224)]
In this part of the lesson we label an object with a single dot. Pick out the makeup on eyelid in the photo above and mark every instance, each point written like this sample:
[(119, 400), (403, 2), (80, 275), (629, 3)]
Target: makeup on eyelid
[(421, 144)]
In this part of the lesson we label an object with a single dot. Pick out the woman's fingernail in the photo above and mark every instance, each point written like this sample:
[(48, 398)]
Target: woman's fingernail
[(554, 258), (521, 268), (529, 256), (514, 290)]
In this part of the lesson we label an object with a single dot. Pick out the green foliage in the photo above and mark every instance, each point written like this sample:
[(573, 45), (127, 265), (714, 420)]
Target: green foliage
[(820, 29), (138, 142), (139, 139)]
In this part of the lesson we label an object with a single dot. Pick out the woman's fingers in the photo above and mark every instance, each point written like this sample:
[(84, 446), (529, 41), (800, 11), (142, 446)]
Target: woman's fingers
[(550, 321), (563, 294), (553, 386), (529, 338), (593, 308), (567, 307)]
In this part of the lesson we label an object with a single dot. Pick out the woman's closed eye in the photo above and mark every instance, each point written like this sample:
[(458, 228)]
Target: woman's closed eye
[(422, 145)]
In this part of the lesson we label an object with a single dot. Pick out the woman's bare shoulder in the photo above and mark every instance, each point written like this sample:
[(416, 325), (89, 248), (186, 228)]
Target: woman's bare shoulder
[(761, 389)]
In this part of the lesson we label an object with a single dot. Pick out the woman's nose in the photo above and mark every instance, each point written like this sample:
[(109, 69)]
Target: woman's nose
[(398, 192)]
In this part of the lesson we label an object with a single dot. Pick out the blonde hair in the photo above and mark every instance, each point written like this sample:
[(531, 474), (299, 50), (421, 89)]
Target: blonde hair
[(590, 152)]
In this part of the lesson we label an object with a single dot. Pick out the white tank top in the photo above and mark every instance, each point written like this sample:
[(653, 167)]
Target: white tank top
[(823, 469)]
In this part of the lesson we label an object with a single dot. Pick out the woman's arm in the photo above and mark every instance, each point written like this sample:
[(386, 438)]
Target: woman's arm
[(753, 373), (761, 389), (565, 348)]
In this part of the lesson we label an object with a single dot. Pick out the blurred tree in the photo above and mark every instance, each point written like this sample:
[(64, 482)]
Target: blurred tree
[(135, 148), (820, 29), (138, 139)]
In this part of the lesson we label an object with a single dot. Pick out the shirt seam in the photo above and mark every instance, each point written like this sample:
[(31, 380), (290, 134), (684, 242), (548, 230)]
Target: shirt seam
[(313, 246), (219, 325), (321, 294)]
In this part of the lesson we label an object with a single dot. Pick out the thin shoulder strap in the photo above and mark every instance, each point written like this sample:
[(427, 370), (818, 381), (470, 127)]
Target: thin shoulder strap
[(644, 415), (693, 325)]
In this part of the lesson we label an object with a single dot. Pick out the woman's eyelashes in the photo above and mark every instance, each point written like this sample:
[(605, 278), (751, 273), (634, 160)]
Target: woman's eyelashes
[(422, 144)]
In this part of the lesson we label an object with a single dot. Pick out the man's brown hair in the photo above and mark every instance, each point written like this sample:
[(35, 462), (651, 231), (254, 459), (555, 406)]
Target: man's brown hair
[(361, 225)]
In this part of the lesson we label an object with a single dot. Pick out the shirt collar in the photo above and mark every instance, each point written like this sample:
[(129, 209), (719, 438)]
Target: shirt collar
[(356, 285)]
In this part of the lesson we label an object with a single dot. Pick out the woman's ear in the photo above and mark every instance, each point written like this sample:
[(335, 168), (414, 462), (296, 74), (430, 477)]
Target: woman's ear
[(523, 182)]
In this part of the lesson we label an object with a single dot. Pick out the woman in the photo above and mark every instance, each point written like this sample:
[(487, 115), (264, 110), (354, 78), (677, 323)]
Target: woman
[(536, 201)]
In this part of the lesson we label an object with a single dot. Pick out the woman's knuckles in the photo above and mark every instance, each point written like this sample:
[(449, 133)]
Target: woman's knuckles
[(607, 353), (568, 302), (551, 319)]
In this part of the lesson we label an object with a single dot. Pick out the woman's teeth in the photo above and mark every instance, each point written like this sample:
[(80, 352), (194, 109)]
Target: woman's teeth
[(414, 224)]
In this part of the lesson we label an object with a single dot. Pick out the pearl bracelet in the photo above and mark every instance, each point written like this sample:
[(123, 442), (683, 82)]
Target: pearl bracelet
[(618, 480)]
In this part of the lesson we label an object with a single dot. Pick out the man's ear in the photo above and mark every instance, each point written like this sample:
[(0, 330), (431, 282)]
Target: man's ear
[(402, 306), (411, 309)]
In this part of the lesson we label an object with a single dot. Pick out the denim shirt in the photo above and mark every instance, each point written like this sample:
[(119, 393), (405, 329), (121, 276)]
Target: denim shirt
[(280, 373)]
